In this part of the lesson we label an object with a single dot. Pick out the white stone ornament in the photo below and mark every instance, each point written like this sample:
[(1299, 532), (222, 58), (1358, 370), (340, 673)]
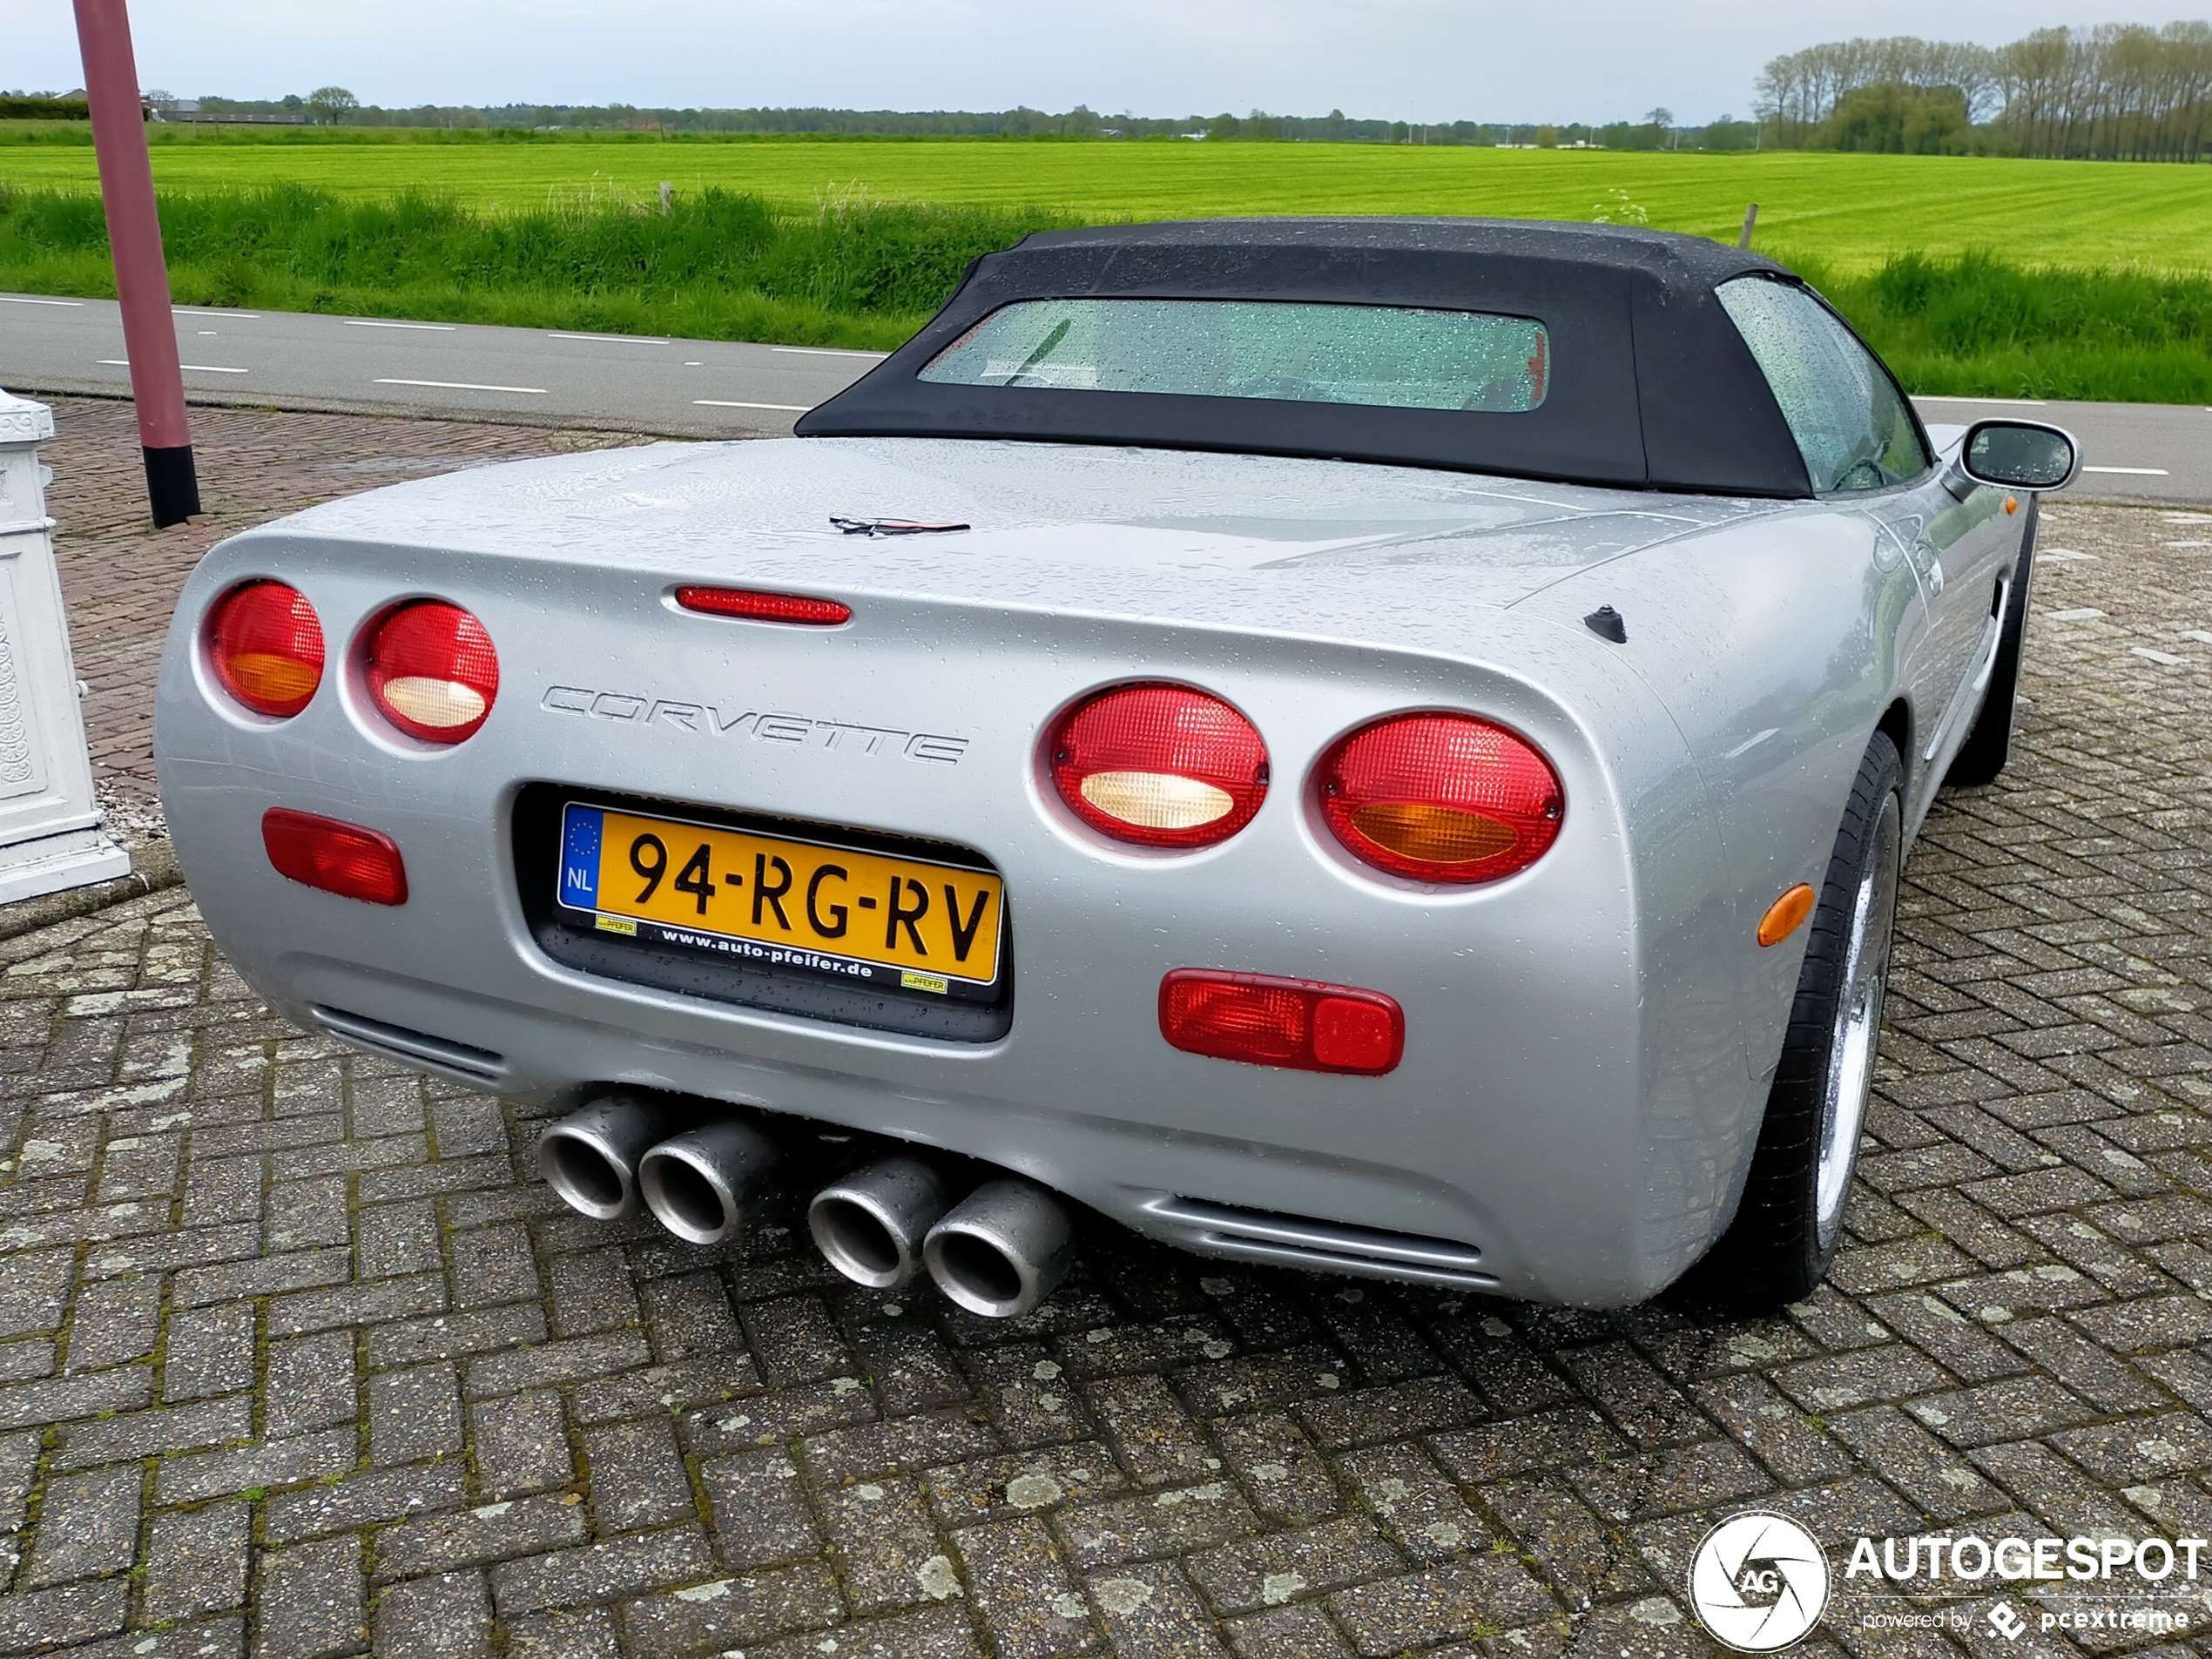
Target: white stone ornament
[(49, 833)]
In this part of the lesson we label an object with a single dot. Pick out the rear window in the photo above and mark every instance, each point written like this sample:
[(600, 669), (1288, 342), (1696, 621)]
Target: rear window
[(1379, 356)]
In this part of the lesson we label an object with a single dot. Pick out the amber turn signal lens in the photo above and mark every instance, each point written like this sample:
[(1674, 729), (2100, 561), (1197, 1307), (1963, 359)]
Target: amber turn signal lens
[(1786, 914), (264, 644), (2011, 503), (1443, 798)]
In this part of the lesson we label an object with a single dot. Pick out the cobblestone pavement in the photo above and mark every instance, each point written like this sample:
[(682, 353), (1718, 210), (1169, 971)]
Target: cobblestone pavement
[(121, 576), (294, 1361)]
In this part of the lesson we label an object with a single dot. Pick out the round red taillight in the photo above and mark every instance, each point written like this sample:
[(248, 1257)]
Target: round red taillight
[(433, 671), (264, 644), (1440, 798), (1158, 765)]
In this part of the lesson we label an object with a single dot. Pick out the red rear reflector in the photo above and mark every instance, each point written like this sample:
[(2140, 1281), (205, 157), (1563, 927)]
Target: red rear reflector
[(265, 642), (1160, 765), (765, 607), (1442, 798), (432, 672), (1296, 1023), (343, 859)]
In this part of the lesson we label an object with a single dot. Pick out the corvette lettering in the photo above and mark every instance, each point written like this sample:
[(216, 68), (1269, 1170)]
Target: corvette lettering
[(761, 726)]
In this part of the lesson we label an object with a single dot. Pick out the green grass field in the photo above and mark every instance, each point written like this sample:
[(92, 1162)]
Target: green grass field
[(1846, 212), (1976, 277)]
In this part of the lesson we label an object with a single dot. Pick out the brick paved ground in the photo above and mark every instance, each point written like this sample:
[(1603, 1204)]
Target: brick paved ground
[(121, 576), (294, 1361)]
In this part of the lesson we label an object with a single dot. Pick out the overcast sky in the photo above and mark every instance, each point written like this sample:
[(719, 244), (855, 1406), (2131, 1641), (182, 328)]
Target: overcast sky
[(1422, 60)]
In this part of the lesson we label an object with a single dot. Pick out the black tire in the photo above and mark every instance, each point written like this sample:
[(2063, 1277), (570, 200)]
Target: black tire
[(1989, 743), (1789, 1221)]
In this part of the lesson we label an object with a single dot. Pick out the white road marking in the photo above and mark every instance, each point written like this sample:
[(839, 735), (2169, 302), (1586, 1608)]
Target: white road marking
[(197, 369), (826, 351), (25, 299), (2012, 402), (371, 323), (2064, 556), (2138, 472), (726, 403), (216, 310), (2165, 657), (614, 340), (464, 386), (2190, 544), (2198, 634), (2079, 613)]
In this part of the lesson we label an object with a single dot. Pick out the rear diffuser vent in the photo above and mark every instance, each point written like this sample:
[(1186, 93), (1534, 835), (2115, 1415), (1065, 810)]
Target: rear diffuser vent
[(414, 1048), (1322, 1246)]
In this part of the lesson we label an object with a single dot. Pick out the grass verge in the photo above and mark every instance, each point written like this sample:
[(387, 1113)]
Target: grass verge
[(721, 266), (729, 266), (1978, 326)]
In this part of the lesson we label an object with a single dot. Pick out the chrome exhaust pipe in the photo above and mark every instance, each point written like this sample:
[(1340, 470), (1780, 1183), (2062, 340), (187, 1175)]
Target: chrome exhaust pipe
[(590, 1158), (704, 1186), (870, 1226), (1002, 1248)]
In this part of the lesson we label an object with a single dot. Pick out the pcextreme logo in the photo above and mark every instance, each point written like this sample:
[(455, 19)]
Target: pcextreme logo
[(1758, 1582)]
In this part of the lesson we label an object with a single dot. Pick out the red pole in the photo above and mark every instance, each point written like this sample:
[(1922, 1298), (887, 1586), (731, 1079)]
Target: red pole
[(141, 275)]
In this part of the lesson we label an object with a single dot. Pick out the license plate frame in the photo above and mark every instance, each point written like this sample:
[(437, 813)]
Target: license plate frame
[(590, 850)]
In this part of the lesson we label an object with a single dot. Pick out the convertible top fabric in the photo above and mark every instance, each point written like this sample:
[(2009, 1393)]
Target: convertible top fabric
[(1651, 385)]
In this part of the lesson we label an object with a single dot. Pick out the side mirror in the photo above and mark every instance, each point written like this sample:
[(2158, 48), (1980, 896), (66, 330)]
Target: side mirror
[(2019, 455)]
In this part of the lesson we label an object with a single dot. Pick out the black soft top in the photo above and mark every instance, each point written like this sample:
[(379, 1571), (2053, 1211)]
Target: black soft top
[(1651, 385)]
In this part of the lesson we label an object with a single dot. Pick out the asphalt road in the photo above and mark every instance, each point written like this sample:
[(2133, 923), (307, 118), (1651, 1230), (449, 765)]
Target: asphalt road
[(2145, 452), (2158, 452), (292, 360)]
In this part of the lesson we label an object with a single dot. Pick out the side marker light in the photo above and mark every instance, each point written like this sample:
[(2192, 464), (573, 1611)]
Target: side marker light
[(1786, 914), (2011, 503), (1301, 1025), (343, 859)]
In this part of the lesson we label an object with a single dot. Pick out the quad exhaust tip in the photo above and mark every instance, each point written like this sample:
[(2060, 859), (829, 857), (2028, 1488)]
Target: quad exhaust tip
[(998, 1253), (590, 1158), (870, 1225), (1002, 1249), (703, 1185)]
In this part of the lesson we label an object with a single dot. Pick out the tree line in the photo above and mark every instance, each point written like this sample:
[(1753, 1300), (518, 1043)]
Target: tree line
[(335, 105), (2116, 92)]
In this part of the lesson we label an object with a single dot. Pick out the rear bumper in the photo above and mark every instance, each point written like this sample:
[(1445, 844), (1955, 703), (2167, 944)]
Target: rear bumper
[(1569, 1123)]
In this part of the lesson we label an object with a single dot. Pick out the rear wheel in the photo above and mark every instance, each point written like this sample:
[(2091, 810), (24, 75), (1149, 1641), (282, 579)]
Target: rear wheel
[(1791, 1216), (1982, 756)]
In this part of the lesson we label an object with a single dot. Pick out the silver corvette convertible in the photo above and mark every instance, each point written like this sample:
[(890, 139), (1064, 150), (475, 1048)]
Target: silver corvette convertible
[(1381, 746)]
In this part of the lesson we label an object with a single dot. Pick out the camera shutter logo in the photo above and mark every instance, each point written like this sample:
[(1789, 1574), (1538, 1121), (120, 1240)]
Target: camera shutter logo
[(1758, 1582)]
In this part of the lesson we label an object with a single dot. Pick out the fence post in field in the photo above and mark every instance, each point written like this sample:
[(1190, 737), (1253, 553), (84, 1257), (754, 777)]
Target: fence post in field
[(666, 206), (1750, 218), (50, 822), (141, 275)]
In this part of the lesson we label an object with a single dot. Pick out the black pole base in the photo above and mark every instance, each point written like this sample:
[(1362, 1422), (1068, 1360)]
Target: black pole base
[(173, 485)]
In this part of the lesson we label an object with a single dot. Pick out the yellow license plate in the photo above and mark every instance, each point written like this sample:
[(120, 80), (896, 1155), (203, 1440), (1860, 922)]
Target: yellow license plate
[(783, 903)]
